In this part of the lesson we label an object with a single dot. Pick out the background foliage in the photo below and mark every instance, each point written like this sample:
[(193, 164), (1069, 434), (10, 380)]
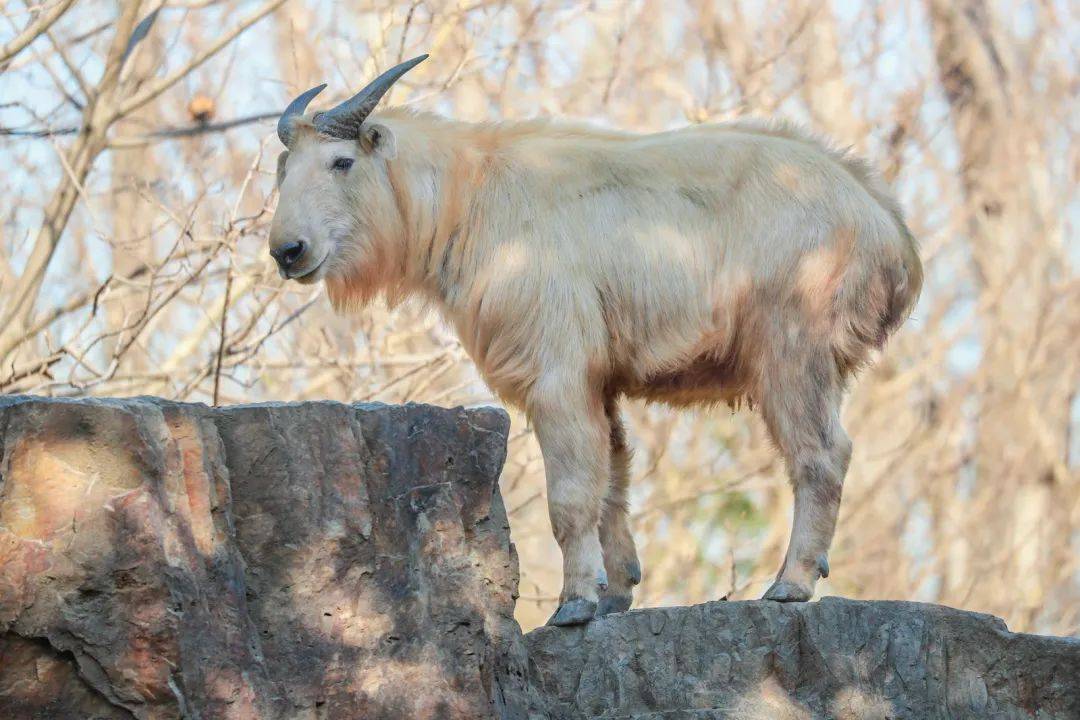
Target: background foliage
[(137, 191)]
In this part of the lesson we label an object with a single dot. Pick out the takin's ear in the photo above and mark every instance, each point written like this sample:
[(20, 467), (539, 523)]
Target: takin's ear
[(378, 139), (281, 160)]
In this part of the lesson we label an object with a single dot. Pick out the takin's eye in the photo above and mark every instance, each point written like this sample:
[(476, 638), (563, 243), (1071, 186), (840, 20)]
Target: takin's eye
[(342, 164)]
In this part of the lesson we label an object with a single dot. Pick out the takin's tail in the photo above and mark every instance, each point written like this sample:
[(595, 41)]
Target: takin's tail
[(902, 273), (876, 304), (906, 289)]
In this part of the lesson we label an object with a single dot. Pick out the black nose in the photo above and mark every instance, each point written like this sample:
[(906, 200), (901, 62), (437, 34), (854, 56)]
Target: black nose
[(288, 253)]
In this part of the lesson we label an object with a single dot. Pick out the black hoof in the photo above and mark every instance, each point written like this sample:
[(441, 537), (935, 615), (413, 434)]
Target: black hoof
[(610, 604), (577, 611), (783, 591)]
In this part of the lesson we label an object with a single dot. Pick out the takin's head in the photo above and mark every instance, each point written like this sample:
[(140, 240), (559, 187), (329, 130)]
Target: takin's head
[(334, 193)]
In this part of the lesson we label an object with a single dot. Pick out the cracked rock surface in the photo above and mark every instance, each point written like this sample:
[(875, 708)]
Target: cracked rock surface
[(320, 560), (315, 560)]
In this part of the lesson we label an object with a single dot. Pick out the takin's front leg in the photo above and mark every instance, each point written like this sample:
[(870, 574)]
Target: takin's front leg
[(802, 411), (573, 432), (620, 554)]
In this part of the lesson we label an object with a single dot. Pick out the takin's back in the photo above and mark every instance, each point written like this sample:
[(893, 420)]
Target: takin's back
[(657, 259)]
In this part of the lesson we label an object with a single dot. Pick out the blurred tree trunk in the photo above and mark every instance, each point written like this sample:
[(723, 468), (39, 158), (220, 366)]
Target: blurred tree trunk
[(1022, 414), (97, 117), (828, 94), (132, 217)]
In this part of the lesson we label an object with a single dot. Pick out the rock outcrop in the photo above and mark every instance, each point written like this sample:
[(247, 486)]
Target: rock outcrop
[(160, 560), (836, 659), (319, 560)]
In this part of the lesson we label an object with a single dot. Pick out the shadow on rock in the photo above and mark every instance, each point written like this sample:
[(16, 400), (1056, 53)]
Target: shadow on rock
[(314, 560)]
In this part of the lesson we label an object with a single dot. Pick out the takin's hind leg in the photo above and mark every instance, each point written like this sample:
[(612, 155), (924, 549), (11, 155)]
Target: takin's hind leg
[(573, 433), (620, 554), (801, 405)]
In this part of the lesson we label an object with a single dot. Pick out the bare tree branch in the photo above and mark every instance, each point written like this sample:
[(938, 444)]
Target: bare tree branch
[(33, 31), (156, 88), (132, 141)]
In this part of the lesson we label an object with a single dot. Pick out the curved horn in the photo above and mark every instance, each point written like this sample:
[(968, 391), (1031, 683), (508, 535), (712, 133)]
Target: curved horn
[(296, 107), (344, 121)]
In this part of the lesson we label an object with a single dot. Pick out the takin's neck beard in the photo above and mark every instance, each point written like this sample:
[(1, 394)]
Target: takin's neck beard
[(379, 272)]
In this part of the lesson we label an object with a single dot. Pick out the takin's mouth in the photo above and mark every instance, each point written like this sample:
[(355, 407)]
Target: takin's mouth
[(312, 274)]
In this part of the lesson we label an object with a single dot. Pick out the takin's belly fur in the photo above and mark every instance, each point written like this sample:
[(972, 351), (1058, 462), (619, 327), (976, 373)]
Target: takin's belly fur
[(706, 379)]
